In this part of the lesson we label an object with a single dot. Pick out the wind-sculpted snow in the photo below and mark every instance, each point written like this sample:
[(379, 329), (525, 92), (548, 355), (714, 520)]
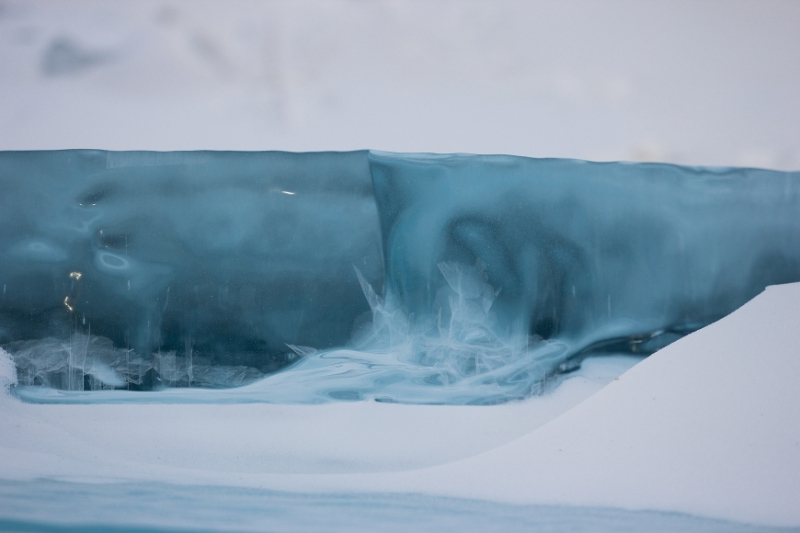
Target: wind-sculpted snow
[(340, 276)]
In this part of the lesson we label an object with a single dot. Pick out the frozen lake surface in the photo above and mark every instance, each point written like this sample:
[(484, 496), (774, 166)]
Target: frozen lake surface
[(52, 506)]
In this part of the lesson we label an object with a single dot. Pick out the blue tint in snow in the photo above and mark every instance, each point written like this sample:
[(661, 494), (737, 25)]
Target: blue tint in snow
[(54, 507)]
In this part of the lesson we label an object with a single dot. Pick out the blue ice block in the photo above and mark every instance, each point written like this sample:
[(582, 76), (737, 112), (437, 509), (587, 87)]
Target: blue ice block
[(398, 277)]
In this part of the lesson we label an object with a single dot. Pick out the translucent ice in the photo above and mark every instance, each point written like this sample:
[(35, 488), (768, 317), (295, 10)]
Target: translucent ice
[(477, 279), (602, 255), (218, 258)]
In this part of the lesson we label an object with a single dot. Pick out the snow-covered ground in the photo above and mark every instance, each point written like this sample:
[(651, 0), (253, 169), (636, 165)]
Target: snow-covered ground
[(707, 426), (353, 437), (694, 82)]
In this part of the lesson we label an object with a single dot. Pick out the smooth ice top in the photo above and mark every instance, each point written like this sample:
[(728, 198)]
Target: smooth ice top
[(339, 276)]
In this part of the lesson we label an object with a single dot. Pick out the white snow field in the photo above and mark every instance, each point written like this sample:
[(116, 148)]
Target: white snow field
[(707, 426), (694, 82)]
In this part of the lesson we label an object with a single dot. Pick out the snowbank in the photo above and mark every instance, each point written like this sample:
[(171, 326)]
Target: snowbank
[(706, 426), (237, 443)]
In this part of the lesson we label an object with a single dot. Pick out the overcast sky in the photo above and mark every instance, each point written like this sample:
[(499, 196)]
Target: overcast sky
[(713, 83)]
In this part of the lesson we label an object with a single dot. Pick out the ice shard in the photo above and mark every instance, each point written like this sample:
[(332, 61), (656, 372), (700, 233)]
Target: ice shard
[(398, 277)]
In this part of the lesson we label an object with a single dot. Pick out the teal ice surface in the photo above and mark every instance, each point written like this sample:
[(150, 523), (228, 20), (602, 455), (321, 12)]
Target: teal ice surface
[(409, 278), (60, 507)]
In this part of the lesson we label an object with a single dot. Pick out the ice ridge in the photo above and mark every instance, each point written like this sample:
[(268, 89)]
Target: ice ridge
[(477, 279)]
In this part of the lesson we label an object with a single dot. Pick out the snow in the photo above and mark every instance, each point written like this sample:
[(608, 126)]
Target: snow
[(671, 81), (72, 441), (706, 426)]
